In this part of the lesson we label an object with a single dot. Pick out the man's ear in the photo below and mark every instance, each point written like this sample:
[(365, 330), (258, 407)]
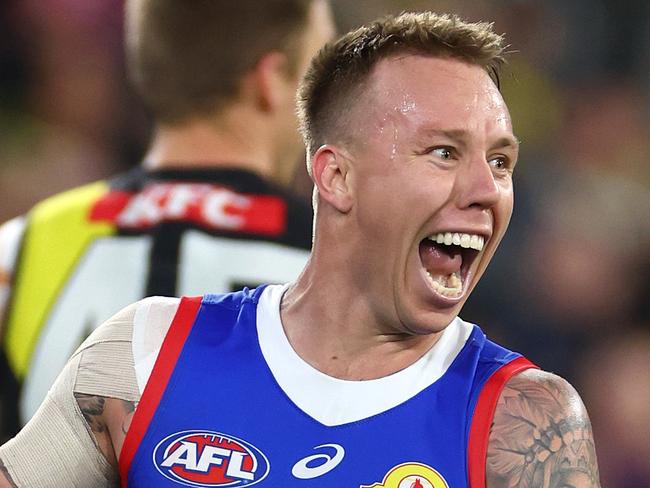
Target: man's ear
[(271, 81), (331, 175)]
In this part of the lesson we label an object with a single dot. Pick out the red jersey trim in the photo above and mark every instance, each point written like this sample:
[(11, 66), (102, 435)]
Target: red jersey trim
[(484, 414), (160, 374)]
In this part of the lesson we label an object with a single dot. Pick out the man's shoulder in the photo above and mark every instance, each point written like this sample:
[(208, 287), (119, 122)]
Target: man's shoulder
[(117, 358), (541, 432), (542, 396), (145, 321)]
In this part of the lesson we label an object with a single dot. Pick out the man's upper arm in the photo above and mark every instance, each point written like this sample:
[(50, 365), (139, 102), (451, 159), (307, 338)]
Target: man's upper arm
[(67, 442), (541, 436), (5, 478), (57, 447)]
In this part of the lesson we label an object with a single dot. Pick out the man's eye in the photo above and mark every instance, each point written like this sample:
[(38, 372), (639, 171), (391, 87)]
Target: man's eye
[(499, 162), (442, 152)]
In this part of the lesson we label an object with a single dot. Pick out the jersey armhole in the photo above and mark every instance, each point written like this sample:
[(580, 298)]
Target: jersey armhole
[(484, 414), (170, 350)]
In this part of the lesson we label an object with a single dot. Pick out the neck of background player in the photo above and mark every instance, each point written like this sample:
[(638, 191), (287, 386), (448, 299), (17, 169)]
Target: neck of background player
[(204, 143)]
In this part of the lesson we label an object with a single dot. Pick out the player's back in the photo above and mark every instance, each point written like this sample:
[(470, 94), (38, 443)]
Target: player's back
[(84, 254)]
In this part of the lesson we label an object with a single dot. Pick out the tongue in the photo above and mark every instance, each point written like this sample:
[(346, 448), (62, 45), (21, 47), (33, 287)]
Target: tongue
[(438, 259)]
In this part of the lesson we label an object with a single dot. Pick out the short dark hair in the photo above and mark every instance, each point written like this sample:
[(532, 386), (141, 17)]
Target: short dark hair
[(186, 57), (341, 67)]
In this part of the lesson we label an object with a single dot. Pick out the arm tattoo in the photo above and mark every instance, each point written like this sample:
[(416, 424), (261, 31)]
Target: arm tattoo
[(92, 408), (5, 472), (100, 415), (129, 408), (541, 436)]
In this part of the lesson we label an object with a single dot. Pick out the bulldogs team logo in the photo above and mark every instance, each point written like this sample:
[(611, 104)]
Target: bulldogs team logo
[(204, 458), (411, 475)]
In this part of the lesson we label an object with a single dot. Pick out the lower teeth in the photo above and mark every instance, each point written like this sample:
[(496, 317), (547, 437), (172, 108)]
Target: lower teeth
[(449, 286)]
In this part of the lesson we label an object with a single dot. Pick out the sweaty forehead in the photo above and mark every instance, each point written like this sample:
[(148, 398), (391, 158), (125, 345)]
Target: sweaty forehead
[(449, 90)]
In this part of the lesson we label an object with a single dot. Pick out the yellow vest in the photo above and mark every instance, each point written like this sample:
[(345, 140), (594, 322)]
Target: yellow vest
[(58, 233)]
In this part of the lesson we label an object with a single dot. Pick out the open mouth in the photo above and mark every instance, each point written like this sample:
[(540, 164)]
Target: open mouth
[(447, 258)]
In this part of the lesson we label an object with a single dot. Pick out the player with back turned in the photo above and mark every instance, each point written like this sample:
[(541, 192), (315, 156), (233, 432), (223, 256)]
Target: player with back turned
[(360, 372), (207, 209)]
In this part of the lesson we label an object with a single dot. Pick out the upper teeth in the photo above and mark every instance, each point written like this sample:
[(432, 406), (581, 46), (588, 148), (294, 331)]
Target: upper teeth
[(472, 241)]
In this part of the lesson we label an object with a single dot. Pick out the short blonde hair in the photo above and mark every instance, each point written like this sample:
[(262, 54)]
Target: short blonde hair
[(340, 69)]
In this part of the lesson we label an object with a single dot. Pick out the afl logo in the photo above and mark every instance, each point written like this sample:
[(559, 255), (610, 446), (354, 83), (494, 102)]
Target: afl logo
[(205, 458)]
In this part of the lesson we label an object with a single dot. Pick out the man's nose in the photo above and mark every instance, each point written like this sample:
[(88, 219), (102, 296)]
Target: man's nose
[(477, 185)]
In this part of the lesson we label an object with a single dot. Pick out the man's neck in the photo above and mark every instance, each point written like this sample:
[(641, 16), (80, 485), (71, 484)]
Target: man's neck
[(204, 144), (335, 328)]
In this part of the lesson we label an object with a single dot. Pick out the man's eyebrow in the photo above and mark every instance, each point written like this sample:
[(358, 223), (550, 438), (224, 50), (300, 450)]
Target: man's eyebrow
[(458, 134), (504, 142), (461, 136)]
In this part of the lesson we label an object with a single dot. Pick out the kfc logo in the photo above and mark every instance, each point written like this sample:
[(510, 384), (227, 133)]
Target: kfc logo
[(212, 207)]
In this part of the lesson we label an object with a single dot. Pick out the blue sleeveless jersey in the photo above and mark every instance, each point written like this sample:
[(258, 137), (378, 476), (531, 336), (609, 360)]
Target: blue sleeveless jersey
[(213, 415)]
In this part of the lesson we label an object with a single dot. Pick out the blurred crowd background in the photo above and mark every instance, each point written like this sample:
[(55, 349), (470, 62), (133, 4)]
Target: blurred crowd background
[(569, 286)]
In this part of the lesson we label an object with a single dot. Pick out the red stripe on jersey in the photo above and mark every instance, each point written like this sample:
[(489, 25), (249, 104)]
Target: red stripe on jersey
[(160, 374), (108, 207), (209, 206), (484, 414)]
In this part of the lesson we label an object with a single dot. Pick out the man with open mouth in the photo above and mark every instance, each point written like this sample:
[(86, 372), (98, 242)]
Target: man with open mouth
[(360, 373)]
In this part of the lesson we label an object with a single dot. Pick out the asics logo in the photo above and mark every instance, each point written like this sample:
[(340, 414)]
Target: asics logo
[(319, 464)]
